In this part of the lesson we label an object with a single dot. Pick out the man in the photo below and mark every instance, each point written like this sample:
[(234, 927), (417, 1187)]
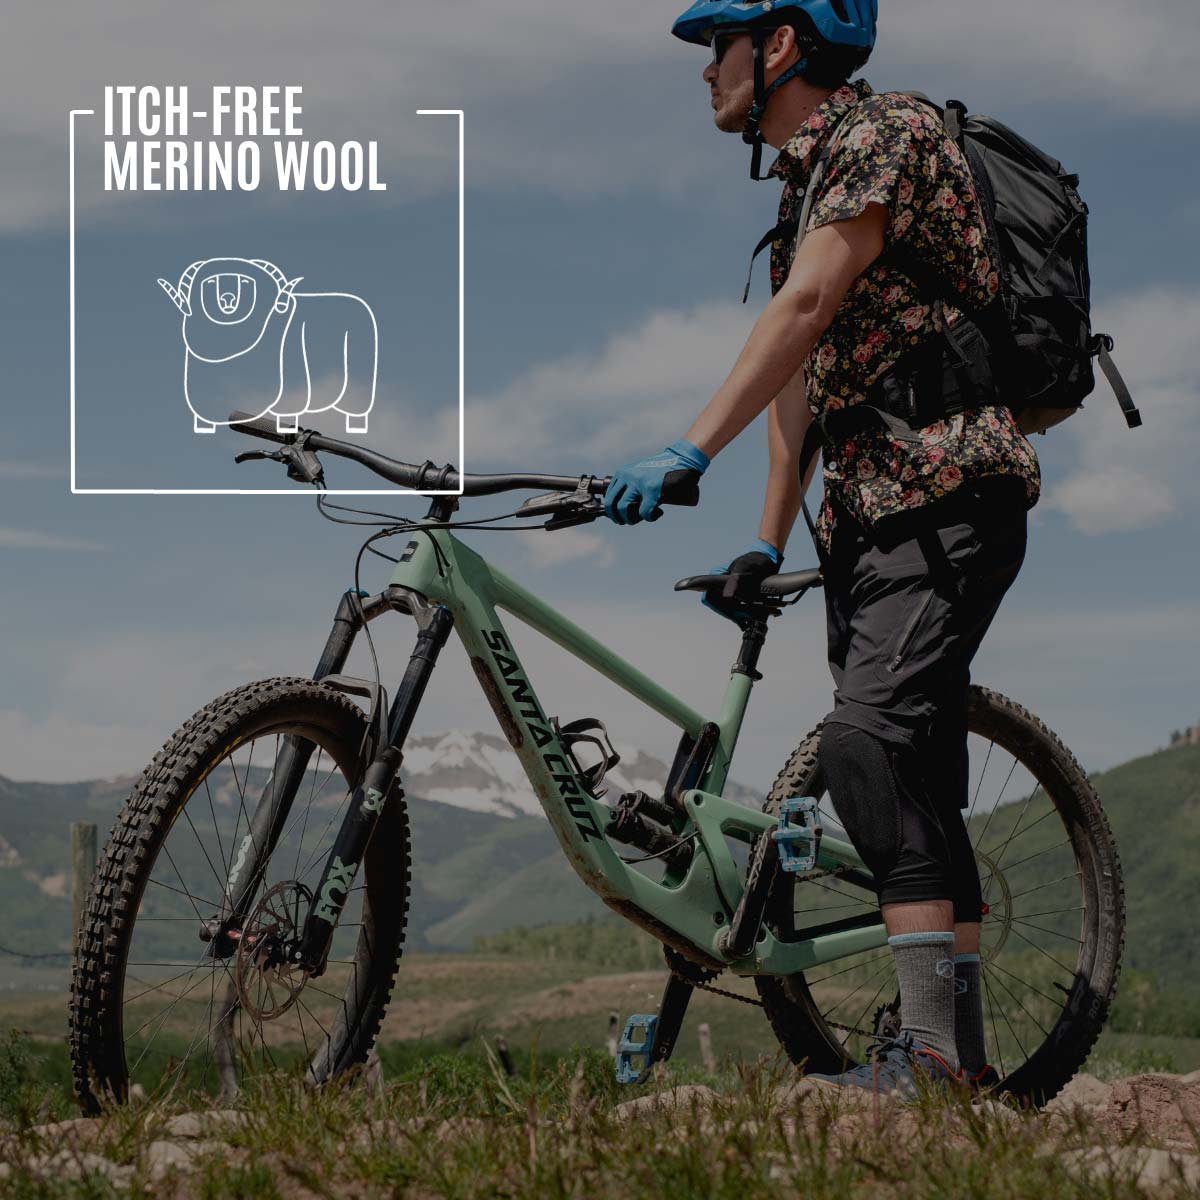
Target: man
[(922, 528)]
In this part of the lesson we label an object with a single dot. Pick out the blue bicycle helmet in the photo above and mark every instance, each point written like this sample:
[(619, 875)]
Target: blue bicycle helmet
[(840, 22), (849, 25)]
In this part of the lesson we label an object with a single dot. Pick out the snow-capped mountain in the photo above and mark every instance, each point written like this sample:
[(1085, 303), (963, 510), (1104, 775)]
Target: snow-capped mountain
[(481, 772)]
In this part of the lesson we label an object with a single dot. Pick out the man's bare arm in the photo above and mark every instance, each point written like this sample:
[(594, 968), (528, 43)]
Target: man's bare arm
[(788, 418), (829, 260)]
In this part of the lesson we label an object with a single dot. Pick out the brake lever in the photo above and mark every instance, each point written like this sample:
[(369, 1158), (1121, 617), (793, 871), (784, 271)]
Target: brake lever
[(577, 516), (565, 508), (302, 465)]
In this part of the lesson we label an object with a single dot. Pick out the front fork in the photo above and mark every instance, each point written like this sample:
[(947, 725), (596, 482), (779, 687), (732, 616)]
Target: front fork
[(368, 797), (366, 802)]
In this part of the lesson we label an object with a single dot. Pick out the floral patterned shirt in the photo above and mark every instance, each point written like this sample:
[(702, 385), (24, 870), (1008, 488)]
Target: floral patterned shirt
[(892, 150)]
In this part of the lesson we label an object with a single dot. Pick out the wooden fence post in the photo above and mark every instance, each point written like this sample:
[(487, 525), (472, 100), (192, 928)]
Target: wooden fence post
[(83, 866), (503, 1055), (706, 1051)]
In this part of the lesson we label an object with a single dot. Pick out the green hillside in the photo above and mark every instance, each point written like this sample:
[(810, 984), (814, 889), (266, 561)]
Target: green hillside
[(1154, 806)]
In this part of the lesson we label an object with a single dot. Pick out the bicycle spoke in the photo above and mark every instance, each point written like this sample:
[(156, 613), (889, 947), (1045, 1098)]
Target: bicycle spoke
[(225, 862), (854, 967), (979, 785), (1065, 969), (1053, 933), (867, 1008), (1049, 883), (1050, 812), (186, 895), (1037, 854), (865, 983), (997, 805), (1004, 1015), (307, 809), (995, 1032), (204, 850), (1017, 822), (1045, 1032), (1024, 982)]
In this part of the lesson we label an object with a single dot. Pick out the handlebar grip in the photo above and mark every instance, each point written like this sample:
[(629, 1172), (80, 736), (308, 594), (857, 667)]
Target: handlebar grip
[(681, 487), (241, 422)]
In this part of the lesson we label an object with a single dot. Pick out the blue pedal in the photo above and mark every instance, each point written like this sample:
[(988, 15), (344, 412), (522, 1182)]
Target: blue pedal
[(798, 836), (635, 1048)]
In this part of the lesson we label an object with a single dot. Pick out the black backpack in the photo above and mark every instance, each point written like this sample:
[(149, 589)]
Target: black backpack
[(1033, 349), (1038, 228)]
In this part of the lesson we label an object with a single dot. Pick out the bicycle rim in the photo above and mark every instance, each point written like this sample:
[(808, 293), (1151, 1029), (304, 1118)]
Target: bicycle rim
[(182, 1018), (1051, 935)]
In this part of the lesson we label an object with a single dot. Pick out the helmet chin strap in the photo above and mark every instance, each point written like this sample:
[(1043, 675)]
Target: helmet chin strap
[(752, 133)]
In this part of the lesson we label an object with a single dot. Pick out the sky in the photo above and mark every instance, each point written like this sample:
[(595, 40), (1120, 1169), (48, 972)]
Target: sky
[(607, 228)]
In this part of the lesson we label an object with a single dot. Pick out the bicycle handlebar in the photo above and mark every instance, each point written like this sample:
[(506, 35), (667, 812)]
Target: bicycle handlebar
[(427, 476)]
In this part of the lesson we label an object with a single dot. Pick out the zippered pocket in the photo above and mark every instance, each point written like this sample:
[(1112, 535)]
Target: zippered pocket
[(909, 632)]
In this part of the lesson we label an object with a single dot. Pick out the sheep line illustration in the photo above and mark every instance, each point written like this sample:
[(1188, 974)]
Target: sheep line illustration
[(295, 352)]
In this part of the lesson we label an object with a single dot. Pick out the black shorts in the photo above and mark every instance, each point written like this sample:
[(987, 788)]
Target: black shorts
[(908, 603)]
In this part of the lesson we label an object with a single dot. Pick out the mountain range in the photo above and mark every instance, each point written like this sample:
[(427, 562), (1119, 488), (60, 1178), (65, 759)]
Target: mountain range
[(485, 859)]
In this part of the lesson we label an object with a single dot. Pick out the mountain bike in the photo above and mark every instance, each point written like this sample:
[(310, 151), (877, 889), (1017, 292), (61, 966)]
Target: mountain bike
[(250, 908)]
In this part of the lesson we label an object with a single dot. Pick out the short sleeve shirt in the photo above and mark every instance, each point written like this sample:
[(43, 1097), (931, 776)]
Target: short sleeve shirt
[(892, 150)]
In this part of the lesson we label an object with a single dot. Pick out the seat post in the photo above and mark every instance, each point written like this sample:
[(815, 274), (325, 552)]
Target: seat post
[(754, 636)]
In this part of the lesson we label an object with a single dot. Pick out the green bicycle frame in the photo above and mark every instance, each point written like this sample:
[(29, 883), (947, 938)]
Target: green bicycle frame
[(694, 907)]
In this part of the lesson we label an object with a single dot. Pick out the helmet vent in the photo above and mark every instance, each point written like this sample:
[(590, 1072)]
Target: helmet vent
[(839, 8)]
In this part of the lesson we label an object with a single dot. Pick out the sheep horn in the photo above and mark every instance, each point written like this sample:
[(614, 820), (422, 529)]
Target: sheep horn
[(179, 300)]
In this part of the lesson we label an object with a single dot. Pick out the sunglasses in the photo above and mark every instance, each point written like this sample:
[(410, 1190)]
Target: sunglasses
[(722, 41)]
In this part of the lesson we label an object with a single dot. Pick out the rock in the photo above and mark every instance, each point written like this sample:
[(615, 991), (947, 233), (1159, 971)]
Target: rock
[(162, 1156), (1149, 1168), (68, 1133), (1163, 1106), (1084, 1091), (72, 1164), (204, 1124), (686, 1097), (830, 1093), (999, 1110)]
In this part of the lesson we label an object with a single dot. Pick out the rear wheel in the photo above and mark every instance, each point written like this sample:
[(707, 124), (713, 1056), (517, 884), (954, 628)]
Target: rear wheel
[(1053, 932), (153, 1001)]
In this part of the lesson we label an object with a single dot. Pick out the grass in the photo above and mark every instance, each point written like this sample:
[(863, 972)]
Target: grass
[(453, 1125)]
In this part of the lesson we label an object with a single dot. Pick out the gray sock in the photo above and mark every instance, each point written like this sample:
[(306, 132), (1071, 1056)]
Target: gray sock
[(925, 970), (968, 1014)]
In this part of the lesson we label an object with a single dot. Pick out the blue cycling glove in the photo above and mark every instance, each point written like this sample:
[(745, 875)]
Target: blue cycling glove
[(635, 490), (756, 564)]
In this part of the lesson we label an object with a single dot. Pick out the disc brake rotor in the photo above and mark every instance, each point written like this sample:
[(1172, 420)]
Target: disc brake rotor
[(999, 914), (267, 984)]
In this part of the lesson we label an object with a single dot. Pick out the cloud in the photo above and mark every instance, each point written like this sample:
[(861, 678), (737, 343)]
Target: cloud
[(621, 91), (1118, 480), (32, 539), (568, 545), (636, 391)]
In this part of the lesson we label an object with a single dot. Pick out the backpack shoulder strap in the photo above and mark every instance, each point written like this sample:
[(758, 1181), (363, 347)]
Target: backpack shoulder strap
[(1103, 345)]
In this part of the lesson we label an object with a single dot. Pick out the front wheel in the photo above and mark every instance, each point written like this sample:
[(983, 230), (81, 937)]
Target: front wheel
[(1053, 930), (154, 998)]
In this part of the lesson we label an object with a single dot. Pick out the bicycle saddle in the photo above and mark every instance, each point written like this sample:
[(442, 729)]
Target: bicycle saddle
[(786, 583)]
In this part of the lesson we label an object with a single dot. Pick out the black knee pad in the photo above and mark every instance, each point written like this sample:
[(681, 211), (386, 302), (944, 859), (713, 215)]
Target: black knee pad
[(862, 786), (882, 797)]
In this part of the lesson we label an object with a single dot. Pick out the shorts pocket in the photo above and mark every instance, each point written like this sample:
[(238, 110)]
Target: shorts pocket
[(909, 632)]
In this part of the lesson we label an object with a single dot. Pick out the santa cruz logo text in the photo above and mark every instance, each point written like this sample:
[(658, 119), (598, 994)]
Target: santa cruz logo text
[(543, 737)]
